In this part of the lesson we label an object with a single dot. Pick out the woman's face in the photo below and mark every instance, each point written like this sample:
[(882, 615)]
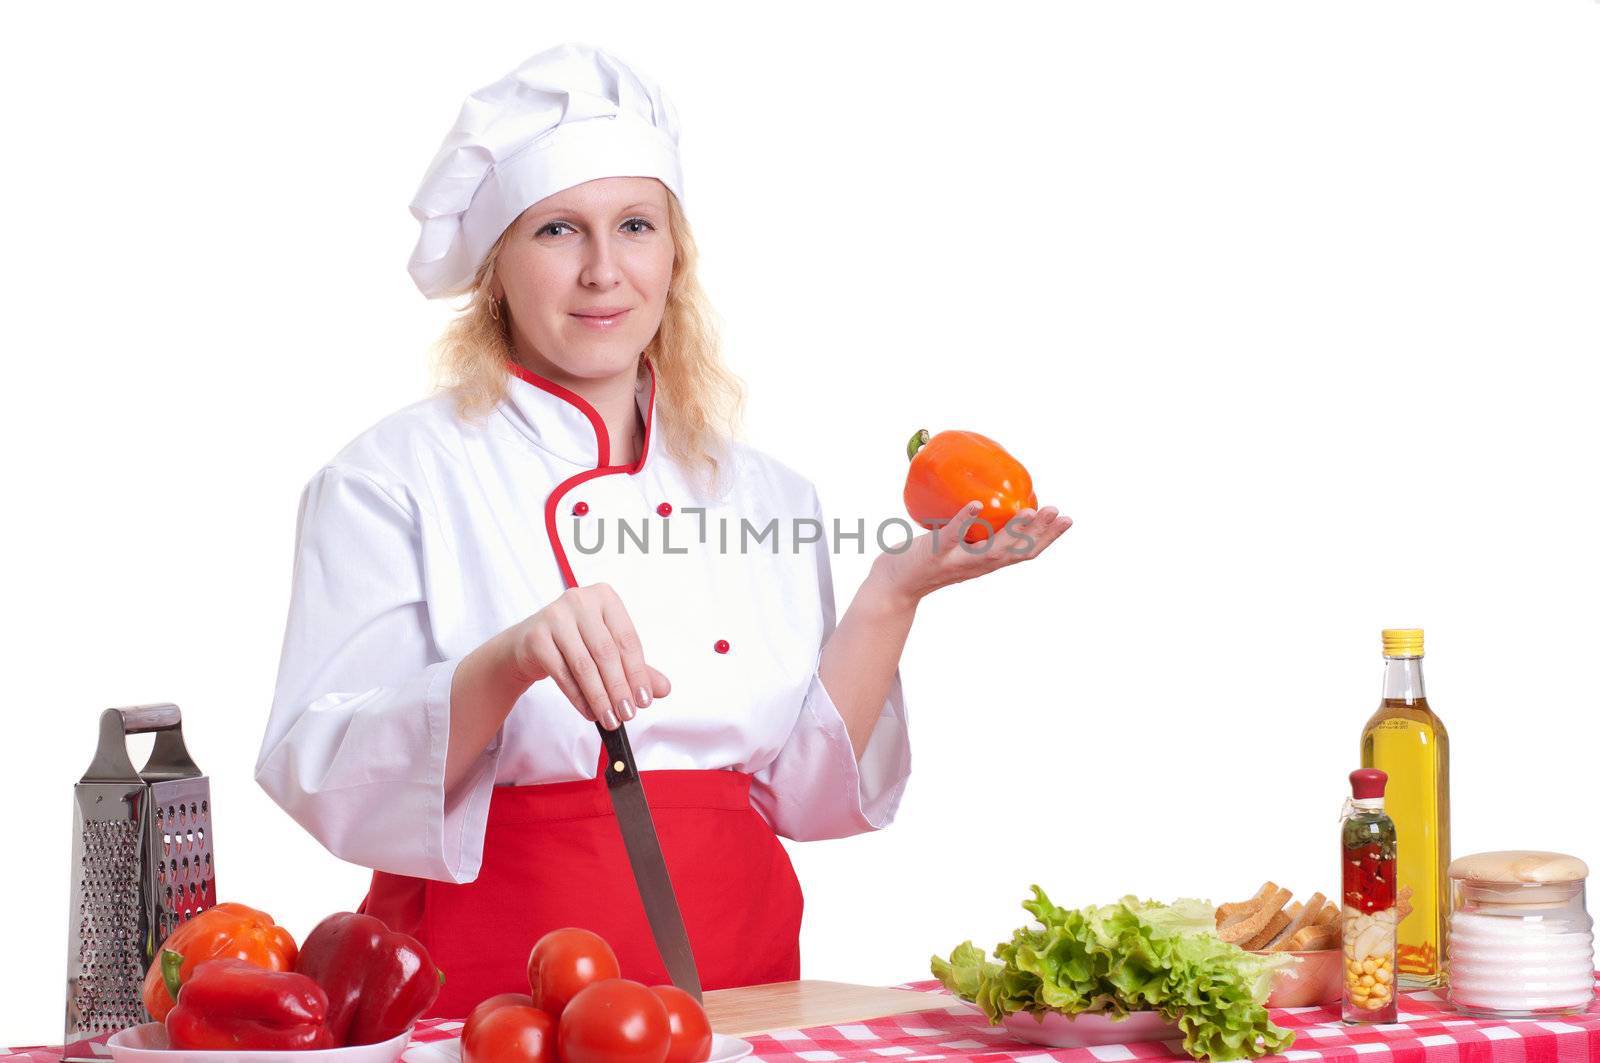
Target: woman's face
[(601, 245)]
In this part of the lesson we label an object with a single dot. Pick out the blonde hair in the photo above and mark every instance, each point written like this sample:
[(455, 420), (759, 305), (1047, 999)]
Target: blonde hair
[(699, 402)]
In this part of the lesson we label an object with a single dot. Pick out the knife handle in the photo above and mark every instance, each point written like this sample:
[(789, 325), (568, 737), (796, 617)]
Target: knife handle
[(619, 756)]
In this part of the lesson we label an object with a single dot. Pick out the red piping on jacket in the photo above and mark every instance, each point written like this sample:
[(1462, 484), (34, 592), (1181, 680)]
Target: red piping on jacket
[(602, 452)]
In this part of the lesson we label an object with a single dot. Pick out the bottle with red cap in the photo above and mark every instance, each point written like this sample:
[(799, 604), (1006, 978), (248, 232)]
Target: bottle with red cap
[(1369, 916)]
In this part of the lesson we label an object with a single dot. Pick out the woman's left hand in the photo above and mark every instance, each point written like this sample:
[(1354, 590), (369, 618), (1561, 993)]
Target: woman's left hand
[(941, 557)]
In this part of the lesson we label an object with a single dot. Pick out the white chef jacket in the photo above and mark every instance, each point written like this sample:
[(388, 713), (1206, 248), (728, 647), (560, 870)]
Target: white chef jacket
[(428, 534)]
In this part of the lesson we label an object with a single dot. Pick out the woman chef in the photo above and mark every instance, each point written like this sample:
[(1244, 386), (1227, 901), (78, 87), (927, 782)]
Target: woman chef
[(569, 537)]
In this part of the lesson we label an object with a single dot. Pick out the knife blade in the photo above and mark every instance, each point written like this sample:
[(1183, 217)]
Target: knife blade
[(649, 869)]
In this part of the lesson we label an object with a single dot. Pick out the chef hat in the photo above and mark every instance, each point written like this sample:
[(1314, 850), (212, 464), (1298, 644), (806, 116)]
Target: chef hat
[(570, 114)]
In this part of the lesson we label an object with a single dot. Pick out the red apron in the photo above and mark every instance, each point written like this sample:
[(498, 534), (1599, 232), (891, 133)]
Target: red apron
[(553, 857)]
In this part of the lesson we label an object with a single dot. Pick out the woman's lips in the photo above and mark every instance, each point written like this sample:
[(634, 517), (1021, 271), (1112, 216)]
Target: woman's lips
[(611, 321)]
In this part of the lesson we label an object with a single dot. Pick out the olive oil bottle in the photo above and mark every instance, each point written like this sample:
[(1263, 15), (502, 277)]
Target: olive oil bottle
[(1407, 741)]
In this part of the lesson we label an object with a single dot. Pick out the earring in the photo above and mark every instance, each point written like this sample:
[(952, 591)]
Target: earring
[(494, 308)]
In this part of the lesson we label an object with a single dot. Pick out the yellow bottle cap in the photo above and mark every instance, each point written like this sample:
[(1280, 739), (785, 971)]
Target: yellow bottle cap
[(1402, 642)]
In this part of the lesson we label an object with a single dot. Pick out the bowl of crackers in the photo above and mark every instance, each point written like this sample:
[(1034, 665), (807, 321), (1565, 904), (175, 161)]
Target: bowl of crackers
[(1273, 922)]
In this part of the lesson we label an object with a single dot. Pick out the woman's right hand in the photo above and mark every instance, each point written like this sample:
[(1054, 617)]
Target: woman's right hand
[(585, 641)]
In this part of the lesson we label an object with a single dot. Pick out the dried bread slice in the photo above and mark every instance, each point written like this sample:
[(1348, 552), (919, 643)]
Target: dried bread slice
[(1329, 916), (1232, 913), (1274, 927), (1312, 907), (1251, 924), (1313, 939)]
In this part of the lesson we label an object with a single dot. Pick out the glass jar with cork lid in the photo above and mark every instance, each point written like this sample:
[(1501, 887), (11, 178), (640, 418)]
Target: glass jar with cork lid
[(1521, 941)]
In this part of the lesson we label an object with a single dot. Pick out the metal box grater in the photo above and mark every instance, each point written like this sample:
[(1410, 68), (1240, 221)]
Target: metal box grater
[(141, 865)]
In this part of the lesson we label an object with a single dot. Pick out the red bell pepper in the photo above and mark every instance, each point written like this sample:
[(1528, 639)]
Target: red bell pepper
[(232, 1005), (378, 981)]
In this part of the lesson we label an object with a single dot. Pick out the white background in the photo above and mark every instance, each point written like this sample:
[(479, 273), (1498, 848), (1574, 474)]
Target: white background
[(1292, 306)]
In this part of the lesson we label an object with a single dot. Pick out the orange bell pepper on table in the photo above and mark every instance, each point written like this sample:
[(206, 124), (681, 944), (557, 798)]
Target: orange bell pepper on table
[(953, 468), (223, 931)]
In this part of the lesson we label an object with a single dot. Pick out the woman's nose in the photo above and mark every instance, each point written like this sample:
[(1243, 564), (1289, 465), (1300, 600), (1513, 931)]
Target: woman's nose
[(600, 265)]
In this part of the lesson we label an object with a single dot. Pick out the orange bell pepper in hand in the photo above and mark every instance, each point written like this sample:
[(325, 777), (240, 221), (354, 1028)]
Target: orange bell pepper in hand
[(954, 468), (223, 931)]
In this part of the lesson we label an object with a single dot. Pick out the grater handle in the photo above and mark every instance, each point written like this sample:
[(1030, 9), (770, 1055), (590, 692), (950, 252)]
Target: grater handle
[(140, 719), (169, 759)]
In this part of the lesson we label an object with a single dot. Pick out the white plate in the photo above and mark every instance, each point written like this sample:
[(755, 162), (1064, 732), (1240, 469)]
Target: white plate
[(1090, 1028), (724, 1049), (148, 1044)]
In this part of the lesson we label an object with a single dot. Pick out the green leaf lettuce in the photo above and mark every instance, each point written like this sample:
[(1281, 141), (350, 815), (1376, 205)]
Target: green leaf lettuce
[(1129, 956)]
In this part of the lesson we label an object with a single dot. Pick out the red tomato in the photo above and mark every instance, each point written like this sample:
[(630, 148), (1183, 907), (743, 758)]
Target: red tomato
[(690, 1029), (469, 1032), (512, 1033), (563, 963), (615, 1021)]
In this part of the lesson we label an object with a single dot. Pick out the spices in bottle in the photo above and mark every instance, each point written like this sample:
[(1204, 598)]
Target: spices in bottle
[(1367, 853)]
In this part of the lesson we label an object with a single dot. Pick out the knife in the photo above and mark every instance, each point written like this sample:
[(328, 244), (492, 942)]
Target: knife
[(649, 869)]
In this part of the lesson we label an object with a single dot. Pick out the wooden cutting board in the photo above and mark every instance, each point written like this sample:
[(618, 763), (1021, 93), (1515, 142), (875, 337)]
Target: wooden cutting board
[(796, 1005)]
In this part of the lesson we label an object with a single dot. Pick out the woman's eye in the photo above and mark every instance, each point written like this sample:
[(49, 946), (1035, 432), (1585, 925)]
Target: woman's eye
[(551, 227)]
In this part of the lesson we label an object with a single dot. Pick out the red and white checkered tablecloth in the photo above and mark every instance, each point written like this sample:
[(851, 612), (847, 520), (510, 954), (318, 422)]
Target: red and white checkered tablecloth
[(1428, 1032)]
